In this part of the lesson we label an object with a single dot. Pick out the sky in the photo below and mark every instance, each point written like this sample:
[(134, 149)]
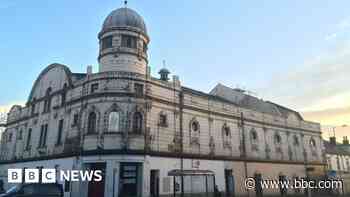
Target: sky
[(295, 53)]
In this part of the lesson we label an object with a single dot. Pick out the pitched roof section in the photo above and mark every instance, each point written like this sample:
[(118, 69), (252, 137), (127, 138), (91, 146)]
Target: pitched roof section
[(240, 98), (338, 149)]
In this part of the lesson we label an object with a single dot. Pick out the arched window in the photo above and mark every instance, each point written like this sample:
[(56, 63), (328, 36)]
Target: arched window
[(278, 139), (137, 122), (113, 121), (33, 106), (253, 135), (195, 126), (312, 143), (92, 122), (227, 131), (47, 103), (163, 120), (296, 141), (64, 94)]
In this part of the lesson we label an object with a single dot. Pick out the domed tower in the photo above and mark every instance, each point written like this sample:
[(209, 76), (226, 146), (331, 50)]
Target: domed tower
[(123, 42)]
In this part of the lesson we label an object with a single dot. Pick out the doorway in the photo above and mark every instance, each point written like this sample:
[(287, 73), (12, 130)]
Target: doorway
[(97, 188), (229, 183), (258, 186), (130, 181), (154, 190)]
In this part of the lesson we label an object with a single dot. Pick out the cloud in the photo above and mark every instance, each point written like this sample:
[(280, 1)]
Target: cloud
[(318, 84), (331, 116), (6, 107), (331, 36), (341, 29)]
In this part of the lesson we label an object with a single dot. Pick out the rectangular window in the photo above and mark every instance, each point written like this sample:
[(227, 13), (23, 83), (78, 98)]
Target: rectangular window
[(60, 131), (107, 42), (144, 47), (163, 120), (20, 135), (63, 97), (29, 139), (43, 135), (66, 186), (75, 120), (129, 41), (138, 89), (94, 87), (33, 109), (9, 137)]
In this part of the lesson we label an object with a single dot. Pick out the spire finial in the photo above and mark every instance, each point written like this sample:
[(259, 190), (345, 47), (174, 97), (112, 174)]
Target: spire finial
[(164, 64)]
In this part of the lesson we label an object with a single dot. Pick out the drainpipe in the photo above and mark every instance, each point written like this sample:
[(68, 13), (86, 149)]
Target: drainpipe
[(181, 96), (244, 151)]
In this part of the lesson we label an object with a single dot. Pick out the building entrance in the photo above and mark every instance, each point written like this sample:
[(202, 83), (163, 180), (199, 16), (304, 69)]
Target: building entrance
[(97, 188), (130, 184)]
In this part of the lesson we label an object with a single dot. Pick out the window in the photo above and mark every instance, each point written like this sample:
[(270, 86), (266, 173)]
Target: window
[(254, 135), (33, 107), (9, 137), (28, 189), (129, 41), (43, 135), (107, 42), (296, 141), (137, 122), (278, 139), (60, 131), (138, 89), (163, 120), (195, 126), (66, 186), (29, 139), (338, 163), (312, 143), (94, 87), (75, 119), (47, 102), (92, 122), (64, 94), (227, 131), (145, 47), (20, 134), (113, 121)]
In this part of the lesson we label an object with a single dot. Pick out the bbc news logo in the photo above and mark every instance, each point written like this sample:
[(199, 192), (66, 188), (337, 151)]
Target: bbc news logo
[(52, 175)]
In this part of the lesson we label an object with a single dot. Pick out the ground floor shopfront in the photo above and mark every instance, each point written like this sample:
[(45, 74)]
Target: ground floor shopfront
[(148, 176)]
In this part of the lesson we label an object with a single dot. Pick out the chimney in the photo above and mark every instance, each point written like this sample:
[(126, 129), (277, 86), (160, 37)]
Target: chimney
[(333, 141), (345, 140), (176, 81), (89, 70)]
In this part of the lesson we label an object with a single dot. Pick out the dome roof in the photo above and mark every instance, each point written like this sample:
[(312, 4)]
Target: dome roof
[(124, 17)]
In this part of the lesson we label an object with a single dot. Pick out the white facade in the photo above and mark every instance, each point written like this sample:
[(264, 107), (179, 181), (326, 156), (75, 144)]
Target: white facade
[(67, 123)]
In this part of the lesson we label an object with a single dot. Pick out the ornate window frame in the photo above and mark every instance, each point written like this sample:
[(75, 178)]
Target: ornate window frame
[(107, 114), (165, 122), (226, 136), (92, 109), (194, 128)]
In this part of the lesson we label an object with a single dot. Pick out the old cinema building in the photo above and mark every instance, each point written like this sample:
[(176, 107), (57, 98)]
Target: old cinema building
[(137, 128)]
